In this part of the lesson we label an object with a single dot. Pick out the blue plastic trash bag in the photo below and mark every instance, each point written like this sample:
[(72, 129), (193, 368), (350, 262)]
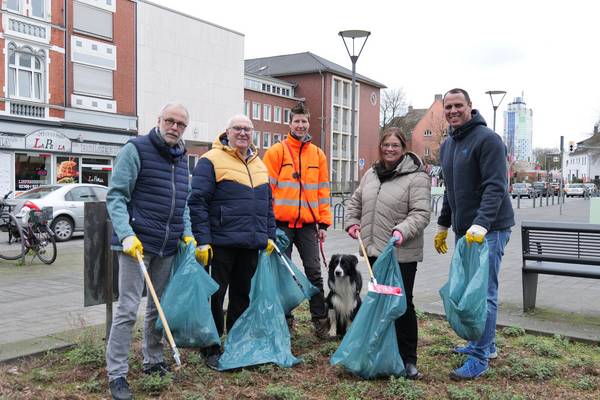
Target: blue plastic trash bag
[(260, 335), (185, 302), (290, 294), (465, 293), (370, 348)]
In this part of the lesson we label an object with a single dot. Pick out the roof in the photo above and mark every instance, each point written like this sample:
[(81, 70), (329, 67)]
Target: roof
[(301, 63), (270, 79)]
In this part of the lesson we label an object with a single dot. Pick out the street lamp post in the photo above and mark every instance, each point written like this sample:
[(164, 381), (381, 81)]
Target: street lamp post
[(353, 34), (497, 94)]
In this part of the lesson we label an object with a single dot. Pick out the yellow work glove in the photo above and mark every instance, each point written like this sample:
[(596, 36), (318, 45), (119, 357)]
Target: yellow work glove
[(204, 254), (439, 241), (475, 234), (132, 246), (270, 247), (189, 239)]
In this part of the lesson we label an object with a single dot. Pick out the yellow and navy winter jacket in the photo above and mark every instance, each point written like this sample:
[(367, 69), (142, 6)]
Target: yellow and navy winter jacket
[(230, 203), (300, 182)]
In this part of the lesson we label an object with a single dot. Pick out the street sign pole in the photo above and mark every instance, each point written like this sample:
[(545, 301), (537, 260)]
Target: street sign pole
[(560, 190)]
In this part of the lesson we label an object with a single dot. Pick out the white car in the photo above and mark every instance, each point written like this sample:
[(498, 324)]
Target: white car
[(67, 202), (575, 189)]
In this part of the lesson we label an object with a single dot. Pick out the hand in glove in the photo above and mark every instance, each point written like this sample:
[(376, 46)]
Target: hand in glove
[(204, 254), (439, 241), (475, 234), (132, 246), (399, 238), (353, 231), (270, 246), (189, 239)]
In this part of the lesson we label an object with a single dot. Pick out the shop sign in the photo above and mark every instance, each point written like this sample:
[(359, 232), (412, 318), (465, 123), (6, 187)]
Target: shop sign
[(96, 148), (47, 140), (12, 142)]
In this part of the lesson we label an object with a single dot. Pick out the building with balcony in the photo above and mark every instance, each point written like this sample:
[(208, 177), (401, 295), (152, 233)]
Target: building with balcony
[(68, 90), (325, 87)]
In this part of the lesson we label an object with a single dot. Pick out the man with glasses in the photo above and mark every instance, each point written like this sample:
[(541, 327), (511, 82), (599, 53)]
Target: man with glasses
[(146, 202), (232, 219), (300, 182)]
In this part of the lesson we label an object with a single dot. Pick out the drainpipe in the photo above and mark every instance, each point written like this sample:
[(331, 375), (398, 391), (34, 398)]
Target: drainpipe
[(66, 21), (323, 139)]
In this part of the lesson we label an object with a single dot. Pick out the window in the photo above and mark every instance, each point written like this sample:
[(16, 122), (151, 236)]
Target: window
[(286, 115), (37, 8), (336, 118), (336, 91), (13, 5), (345, 150), (256, 138), (31, 171), (427, 132), (266, 112), (346, 120), (266, 140), (277, 137), (335, 144), (92, 20), (67, 169), (346, 94), (93, 81), (247, 109), (277, 114), (26, 73), (96, 170), (255, 110)]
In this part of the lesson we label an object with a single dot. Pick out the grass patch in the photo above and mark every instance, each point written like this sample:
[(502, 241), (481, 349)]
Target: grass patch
[(405, 389), (155, 383), (541, 346), (283, 392), (512, 331), (462, 393), (88, 350)]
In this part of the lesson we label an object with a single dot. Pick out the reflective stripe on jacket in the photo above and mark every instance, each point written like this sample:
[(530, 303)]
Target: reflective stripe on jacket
[(293, 201)]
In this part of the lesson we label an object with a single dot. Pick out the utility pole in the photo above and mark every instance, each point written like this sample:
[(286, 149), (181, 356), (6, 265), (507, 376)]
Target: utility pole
[(560, 190)]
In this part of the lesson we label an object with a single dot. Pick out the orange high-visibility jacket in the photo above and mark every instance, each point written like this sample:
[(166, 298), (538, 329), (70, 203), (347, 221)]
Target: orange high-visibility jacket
[(291, 200)]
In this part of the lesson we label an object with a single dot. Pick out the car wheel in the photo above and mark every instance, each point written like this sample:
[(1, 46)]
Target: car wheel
[(62, 228)]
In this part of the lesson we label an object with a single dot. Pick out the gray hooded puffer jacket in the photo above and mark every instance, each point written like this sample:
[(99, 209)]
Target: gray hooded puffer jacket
[(401, 203)]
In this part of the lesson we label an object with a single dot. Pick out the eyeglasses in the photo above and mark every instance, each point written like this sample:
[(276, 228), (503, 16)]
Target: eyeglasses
[(239, 129), (393, 146), (178, 124)]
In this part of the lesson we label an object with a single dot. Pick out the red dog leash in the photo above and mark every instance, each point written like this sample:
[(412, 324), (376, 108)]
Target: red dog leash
[(323, 254)]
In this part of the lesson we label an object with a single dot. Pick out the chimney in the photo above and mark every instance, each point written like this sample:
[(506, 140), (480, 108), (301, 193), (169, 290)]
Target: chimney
[(438, 97)]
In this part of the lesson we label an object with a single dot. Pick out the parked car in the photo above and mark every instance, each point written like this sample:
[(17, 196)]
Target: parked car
[(521, 189), (67, 202), (540, 188), (555, 188), (575, 189)]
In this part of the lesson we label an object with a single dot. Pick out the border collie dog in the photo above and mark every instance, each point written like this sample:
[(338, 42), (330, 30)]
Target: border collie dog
[(343, 299)]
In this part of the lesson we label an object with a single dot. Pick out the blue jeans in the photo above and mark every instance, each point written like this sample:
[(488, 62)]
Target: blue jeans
[(496, 241)]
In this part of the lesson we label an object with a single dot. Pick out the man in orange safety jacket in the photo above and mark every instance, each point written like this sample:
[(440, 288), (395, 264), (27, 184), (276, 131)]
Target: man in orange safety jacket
[(299, 180)]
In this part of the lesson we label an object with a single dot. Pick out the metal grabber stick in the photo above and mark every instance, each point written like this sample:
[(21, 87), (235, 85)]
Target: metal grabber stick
[(373, 285), (161, 314)]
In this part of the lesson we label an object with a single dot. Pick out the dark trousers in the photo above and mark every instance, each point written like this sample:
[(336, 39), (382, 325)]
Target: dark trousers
[(407, 329), (306, 241), (231, 268)]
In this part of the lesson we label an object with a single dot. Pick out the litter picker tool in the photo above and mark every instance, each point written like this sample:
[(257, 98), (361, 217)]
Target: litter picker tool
[(160, 311), (289, 268), (373, 286)]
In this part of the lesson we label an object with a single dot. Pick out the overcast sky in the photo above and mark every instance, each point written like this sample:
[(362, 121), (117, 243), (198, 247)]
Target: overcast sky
[(548, 50)]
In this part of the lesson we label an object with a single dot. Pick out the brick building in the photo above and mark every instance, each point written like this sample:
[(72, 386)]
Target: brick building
[(325, 87), (68, 100)]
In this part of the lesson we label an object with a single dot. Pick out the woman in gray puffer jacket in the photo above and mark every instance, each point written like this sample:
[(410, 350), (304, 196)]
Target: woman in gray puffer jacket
[(393, 199)]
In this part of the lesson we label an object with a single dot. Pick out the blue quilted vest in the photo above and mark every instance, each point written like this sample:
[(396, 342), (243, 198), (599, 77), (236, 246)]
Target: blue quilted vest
[(160, 194)]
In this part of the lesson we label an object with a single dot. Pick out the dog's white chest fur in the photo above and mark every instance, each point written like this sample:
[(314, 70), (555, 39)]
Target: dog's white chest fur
[(344, 299)]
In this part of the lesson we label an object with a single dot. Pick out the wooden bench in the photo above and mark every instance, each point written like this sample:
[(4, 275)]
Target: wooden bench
[(557, 248)]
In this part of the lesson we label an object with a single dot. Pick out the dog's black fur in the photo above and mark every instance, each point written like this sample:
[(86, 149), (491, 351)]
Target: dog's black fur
[(343, 300)]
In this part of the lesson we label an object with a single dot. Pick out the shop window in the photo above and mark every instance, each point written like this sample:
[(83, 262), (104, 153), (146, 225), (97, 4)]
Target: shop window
[(90, 19), (96, 170), (25, 73), (31, 170), (67, 169)]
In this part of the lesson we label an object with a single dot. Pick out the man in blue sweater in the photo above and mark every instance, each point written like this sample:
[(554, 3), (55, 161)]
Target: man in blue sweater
[(147, 203), (477, 205)]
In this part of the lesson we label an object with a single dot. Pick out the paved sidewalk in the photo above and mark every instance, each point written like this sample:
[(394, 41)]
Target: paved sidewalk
[(41, 307)]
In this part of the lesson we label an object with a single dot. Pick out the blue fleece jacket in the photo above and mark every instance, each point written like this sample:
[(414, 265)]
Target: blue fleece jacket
[(473, 161)]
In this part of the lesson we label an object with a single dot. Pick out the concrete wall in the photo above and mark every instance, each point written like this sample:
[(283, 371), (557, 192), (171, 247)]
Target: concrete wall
[(186, 59)]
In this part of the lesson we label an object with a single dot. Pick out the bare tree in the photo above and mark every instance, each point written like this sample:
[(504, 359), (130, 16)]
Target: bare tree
[(393, 104)]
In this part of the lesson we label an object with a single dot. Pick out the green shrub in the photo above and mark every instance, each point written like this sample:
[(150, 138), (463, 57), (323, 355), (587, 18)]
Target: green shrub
[(458, 393), (513, 331), (155, 383), (405, 389), (41, 375), (586, 383), (92, 386), (88, 350), (328, 348), (353, 390), (283, 392)]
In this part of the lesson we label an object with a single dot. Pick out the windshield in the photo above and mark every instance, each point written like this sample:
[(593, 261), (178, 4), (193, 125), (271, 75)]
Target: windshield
[(37, 193), (519, 185), (576, 185)]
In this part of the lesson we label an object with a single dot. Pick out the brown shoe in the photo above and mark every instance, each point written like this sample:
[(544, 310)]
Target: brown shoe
[(321, 328)]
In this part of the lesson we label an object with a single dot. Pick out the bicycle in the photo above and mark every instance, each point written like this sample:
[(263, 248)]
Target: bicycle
[(36, 238), (10, 228)]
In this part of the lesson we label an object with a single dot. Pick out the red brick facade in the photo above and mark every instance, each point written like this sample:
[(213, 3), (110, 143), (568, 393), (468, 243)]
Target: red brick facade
[(428, 133)]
